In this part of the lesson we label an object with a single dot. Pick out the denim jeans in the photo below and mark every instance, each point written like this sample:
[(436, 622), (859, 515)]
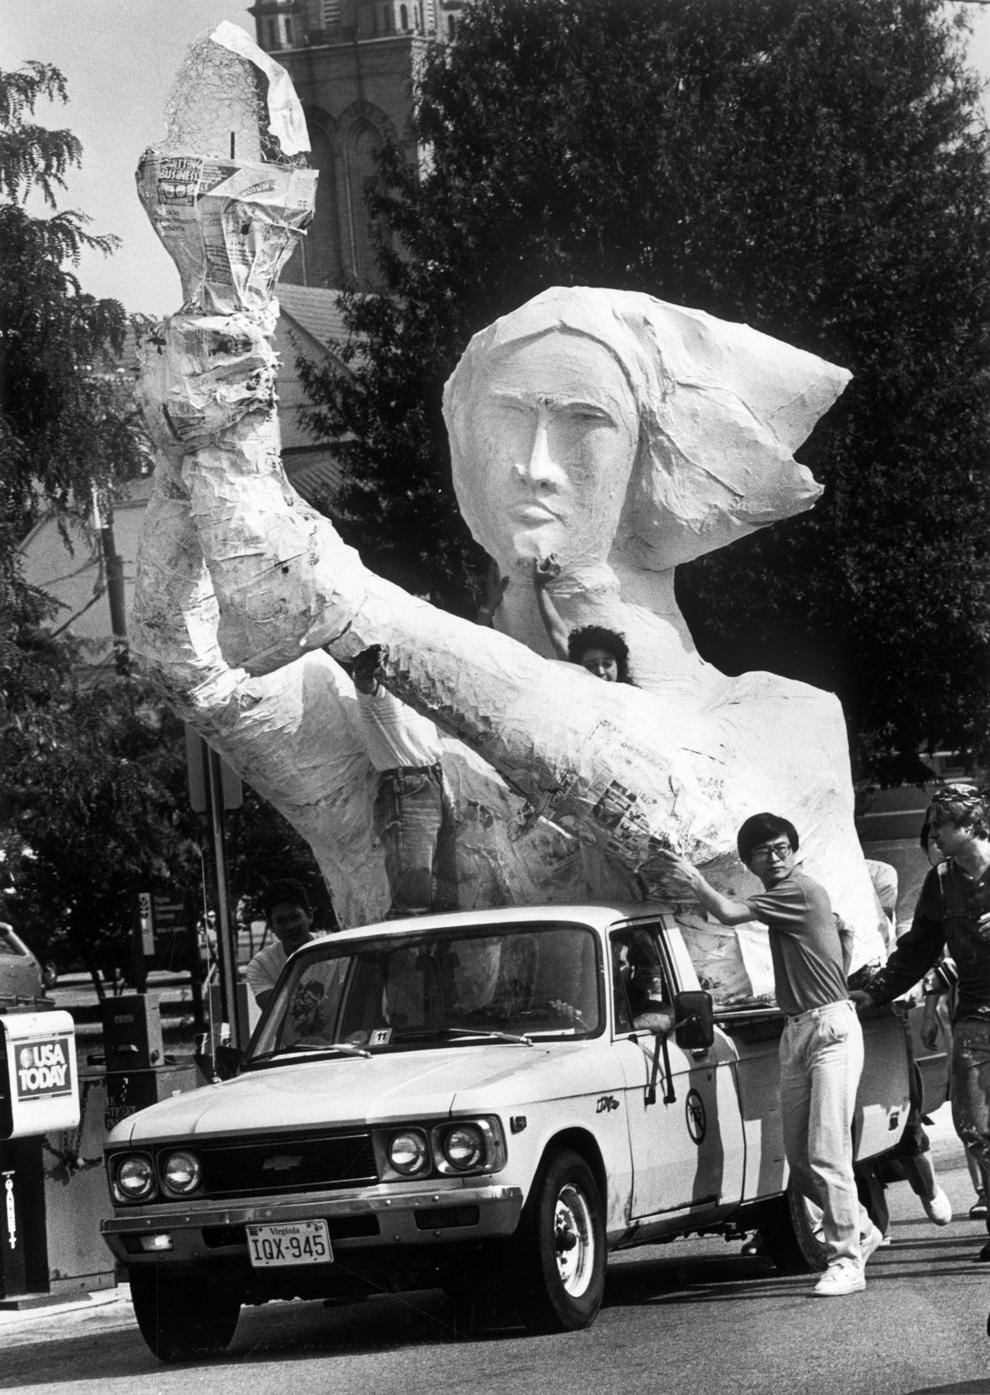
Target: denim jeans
[(821, 1060), (415, 825), (969, 1089)]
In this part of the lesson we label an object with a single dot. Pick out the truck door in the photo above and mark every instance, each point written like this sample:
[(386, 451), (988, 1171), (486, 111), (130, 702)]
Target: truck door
[(685, 1126)]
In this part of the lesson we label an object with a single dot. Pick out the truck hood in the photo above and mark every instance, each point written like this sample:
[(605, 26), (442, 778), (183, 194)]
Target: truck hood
[(358, 1090)]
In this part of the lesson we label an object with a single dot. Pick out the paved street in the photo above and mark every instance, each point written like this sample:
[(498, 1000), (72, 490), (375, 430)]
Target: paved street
[(696, 1316)]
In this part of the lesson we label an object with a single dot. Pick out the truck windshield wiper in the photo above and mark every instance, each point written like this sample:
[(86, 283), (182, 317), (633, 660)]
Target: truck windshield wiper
[(311, 1048), (458, 1034)]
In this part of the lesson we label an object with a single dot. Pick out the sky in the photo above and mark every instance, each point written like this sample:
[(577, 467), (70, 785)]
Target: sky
[(119, 58)]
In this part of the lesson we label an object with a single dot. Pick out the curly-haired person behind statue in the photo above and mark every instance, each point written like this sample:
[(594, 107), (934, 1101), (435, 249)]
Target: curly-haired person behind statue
[(603, 652)]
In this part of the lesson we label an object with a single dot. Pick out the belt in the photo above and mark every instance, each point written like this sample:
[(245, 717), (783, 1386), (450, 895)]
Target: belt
[(810, 1012)]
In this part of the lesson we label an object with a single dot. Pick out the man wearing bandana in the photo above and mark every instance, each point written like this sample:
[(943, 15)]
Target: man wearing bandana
[(953, 914)]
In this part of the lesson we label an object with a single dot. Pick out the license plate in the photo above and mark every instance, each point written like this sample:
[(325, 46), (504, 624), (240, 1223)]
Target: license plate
[(289, 1242)]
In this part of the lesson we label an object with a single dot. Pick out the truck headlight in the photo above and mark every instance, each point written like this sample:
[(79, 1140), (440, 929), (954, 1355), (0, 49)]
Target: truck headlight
[(470, 1145), (409, 1152), (133, 1178), (181, 1173), (463, 1147)]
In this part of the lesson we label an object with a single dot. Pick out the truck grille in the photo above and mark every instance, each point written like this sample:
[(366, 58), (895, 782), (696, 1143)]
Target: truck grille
[(272, 1166)]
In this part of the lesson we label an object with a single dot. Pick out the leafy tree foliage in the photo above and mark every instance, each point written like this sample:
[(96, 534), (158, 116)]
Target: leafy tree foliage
[(94, 806), (65, 426), (819, 171), (263, 848), (88, 801), (93, 809)]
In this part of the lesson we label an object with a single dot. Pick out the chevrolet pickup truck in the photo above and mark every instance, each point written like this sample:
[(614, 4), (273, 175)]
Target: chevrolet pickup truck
[(486, 1103)]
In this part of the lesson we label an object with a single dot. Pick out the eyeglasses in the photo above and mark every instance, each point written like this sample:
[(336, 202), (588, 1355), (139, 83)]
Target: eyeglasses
[(768, 850)]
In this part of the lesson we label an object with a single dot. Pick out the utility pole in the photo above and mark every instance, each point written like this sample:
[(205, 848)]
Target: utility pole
[(113, 571), (213, 789)]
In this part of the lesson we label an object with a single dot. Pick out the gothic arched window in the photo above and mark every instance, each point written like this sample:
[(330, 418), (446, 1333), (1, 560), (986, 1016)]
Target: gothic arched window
[(361, 152)]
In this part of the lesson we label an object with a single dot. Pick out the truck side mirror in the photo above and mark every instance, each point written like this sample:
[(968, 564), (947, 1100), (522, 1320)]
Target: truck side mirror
[(694, 1021)]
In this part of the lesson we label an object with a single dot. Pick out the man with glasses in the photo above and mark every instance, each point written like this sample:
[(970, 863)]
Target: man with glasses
[(953, 914), (821, 1047)]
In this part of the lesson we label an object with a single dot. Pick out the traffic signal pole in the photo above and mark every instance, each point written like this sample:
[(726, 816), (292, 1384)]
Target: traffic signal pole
[(233, 1006)]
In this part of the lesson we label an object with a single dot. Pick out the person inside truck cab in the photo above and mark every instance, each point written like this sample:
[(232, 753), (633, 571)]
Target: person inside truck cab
[(290, 919), (821, 1046), (309, 1014), (642, 999)]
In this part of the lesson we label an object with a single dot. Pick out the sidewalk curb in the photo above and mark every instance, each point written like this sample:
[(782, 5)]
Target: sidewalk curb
[(18, 1318)]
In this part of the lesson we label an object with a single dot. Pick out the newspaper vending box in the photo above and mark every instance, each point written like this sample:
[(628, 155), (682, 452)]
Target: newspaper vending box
[(39, 1092)]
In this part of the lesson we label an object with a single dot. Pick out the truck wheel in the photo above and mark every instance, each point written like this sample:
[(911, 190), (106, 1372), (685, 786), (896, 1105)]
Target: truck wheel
[(806, 1218), (560, 1251), (182, 1318), (475, 1310), (790, 1228)]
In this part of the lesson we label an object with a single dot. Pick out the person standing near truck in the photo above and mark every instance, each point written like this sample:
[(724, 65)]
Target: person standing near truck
[(821, 1046), (953, 913), (290, 919)]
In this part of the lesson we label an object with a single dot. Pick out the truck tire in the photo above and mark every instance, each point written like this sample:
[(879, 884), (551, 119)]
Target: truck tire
[(559, 1262), (784, 1231), (181, 1318), (806, 1221), (791, 1229)]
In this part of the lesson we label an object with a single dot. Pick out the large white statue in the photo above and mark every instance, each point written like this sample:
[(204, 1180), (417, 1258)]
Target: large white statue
[(619, 433)]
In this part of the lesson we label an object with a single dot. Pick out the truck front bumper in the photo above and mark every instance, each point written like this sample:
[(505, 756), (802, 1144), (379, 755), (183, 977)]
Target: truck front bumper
[(181, 1236)]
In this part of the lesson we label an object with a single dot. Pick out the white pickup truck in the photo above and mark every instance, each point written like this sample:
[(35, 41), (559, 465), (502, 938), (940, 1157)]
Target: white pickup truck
[(489, 1103)]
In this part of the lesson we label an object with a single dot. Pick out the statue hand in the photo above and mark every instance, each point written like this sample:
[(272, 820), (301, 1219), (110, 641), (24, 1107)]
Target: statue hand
[(545, 570)]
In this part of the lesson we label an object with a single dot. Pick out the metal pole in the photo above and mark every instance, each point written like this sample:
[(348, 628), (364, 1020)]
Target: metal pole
[(233, 1011), (115, 594), (113, 571)]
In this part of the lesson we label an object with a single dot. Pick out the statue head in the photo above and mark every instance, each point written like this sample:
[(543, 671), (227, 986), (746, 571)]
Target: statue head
[(607, 425)]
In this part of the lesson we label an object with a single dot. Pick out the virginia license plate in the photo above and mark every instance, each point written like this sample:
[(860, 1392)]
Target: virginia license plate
[(289, 1242)]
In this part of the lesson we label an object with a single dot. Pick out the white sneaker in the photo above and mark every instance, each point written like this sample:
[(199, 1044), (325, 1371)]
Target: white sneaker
[(870, 1242), (840, 1278), (939, 1209)]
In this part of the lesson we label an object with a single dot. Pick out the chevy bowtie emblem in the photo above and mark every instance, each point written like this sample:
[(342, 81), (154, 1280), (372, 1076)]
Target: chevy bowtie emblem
[(283, 1162)]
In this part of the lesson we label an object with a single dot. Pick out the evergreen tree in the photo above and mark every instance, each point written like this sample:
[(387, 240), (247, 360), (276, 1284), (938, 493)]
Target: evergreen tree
[(819, 171)]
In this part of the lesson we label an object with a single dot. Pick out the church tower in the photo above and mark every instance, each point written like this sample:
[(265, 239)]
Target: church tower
[(353, 63)]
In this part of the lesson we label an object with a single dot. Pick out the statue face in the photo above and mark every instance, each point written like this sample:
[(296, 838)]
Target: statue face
[(551, 440)]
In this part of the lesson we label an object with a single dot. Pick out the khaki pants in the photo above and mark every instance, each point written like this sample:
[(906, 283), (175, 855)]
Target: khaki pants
[(821, 1060)]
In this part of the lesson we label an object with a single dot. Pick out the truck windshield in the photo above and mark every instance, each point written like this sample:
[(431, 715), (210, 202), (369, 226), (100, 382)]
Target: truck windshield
[(391, 992)]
